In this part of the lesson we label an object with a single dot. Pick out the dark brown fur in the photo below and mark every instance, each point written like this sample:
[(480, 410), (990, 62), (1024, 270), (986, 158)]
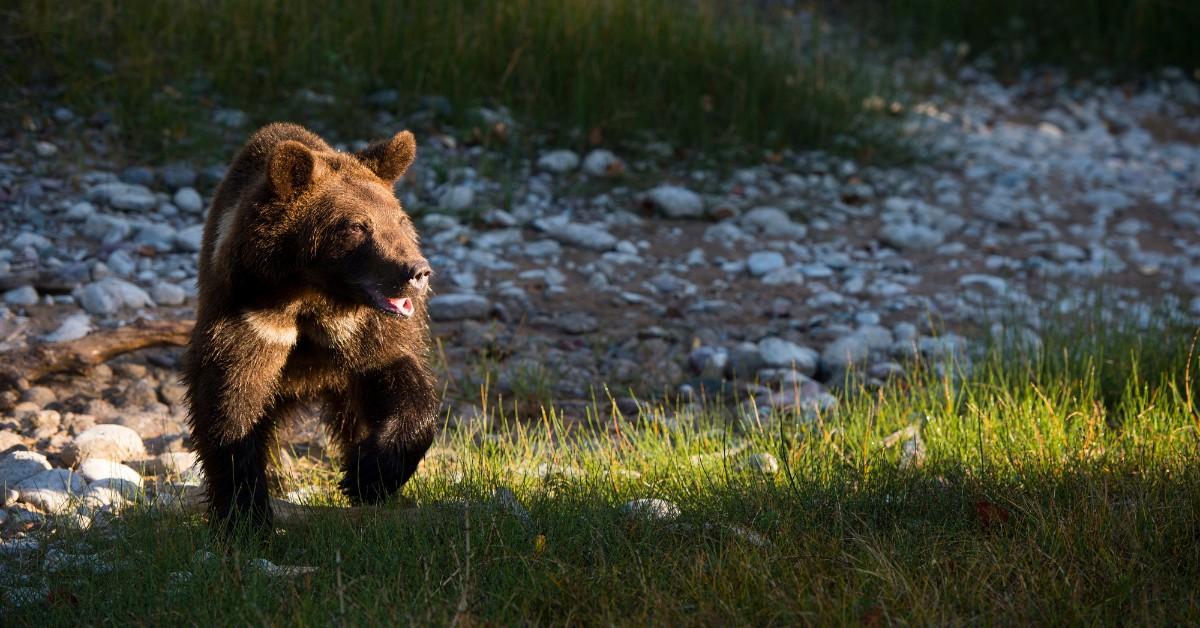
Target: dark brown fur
[(303, 251)]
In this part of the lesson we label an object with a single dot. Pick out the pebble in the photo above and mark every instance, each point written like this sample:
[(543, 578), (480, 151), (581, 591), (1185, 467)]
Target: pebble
[(764, 463), (674, 201), (188, 200), (109, 295), (591, 237), (166, 293), (454, 307), (124, 196), (25, 295), (602, 163), (651, 509), (558, 161), (108, 441), (45, 149), (763, 262), (780, 353), (18, 466), (845, 352), (51, 490), (189, 239), (456, 198)]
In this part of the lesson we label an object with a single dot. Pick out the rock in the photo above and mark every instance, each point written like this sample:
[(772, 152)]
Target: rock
[(124, 196), (41, 424), (58, 560), (231, 118), (182, 464), (764, 463), (188, 200), (166, 293), (763, 262), (844, 352), (110, 294), (454, 307), (80, 211), (780, 353), (673, 201), (578, 323), (589, 237), (25, 295), (107, 229), (39, 395), (279, 571), (114, 475), (456, 198), (602, 163), (772, 222), (189, 239), (651, 509), (507, 500), (73, 327), (910, 237), (558, 161), (108, 441), (17, 466), (160, 237), (137, 175), (178, 176), (45, 150), (9, 441), (51, 490)]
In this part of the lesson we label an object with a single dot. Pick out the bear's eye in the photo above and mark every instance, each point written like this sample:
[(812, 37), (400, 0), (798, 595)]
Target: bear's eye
[(354, 229)]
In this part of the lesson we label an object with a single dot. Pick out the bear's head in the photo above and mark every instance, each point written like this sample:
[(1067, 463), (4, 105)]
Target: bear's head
[(352, 240)]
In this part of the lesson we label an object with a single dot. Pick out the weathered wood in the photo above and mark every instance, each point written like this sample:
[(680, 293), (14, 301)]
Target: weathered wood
[(20, 367)]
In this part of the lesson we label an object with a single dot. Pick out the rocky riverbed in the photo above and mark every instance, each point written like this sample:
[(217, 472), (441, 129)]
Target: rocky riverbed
[(565, 276)]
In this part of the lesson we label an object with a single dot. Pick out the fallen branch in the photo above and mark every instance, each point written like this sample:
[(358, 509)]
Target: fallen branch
[(19, 367)]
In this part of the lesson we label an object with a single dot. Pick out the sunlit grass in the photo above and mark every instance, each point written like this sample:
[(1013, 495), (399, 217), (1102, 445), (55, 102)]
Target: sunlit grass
[(1029, 500)]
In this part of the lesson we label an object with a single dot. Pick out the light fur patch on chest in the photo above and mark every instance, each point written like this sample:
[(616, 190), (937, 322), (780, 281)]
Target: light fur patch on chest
[(272, 328), (337, 330)]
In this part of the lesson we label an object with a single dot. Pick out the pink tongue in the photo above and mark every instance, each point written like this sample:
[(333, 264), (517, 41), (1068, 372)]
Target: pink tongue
[(403, 306)]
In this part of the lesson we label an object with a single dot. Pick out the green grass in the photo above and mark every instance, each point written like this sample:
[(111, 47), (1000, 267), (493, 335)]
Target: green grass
[(1115, 36), (1038, 502), (697, 73)]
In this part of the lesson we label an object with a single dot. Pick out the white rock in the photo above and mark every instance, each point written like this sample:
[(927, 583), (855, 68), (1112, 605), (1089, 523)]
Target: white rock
[(25, 295), (31, 240), (189, 239), (18, 466), (107, 441), (125, 196), (45, 149), (111, 294), (764, 463), (559, 161), (651, 508), (601, 163), (676, 202), (112, 474), (80, 211), (51, 490), (844, 352), (772, 222), (106, 228), (188, 200)]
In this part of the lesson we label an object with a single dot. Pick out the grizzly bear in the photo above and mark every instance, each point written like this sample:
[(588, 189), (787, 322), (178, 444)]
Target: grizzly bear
[(312, 288)]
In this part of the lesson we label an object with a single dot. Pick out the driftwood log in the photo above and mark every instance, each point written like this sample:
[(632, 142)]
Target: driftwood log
[(20, 367)]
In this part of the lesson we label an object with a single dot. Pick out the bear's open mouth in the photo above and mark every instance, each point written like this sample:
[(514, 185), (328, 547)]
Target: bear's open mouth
[(396, 306)]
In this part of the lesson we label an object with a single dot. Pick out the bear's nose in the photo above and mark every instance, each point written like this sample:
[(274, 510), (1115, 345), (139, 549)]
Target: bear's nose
[(420, 277)]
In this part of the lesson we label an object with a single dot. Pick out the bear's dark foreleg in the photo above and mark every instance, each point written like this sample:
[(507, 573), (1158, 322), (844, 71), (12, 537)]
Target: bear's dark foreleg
[(232, 371), (396, 421)]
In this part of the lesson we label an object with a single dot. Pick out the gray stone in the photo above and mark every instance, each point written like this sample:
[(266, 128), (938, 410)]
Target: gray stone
[(107, 229), (39, 395), (35, 241), (25, 295), (45, 150), (844, 352), (764, 463), (559, 161), (188, 200), (674, 201), (18, 466), (189, 239), (121, 263), (910, 237), (177, 176), (166, 293), (112, 475), (780, 353), (110, 294), (456, 198), (453, 307), (589, 237), (763, 262), (80, 211), (772, 222), (159, 236), (123, 196), (137, 175), (602, 163)]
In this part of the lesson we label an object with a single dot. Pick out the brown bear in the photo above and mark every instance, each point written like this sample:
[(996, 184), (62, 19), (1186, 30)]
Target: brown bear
[(312, 288)]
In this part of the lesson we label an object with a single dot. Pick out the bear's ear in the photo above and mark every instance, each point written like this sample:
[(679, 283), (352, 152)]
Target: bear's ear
[(390, 159), (293, 168)]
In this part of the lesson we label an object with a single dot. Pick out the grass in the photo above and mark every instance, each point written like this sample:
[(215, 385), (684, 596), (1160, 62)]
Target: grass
[(1124, 37), (1035, 502), (700, 73)]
